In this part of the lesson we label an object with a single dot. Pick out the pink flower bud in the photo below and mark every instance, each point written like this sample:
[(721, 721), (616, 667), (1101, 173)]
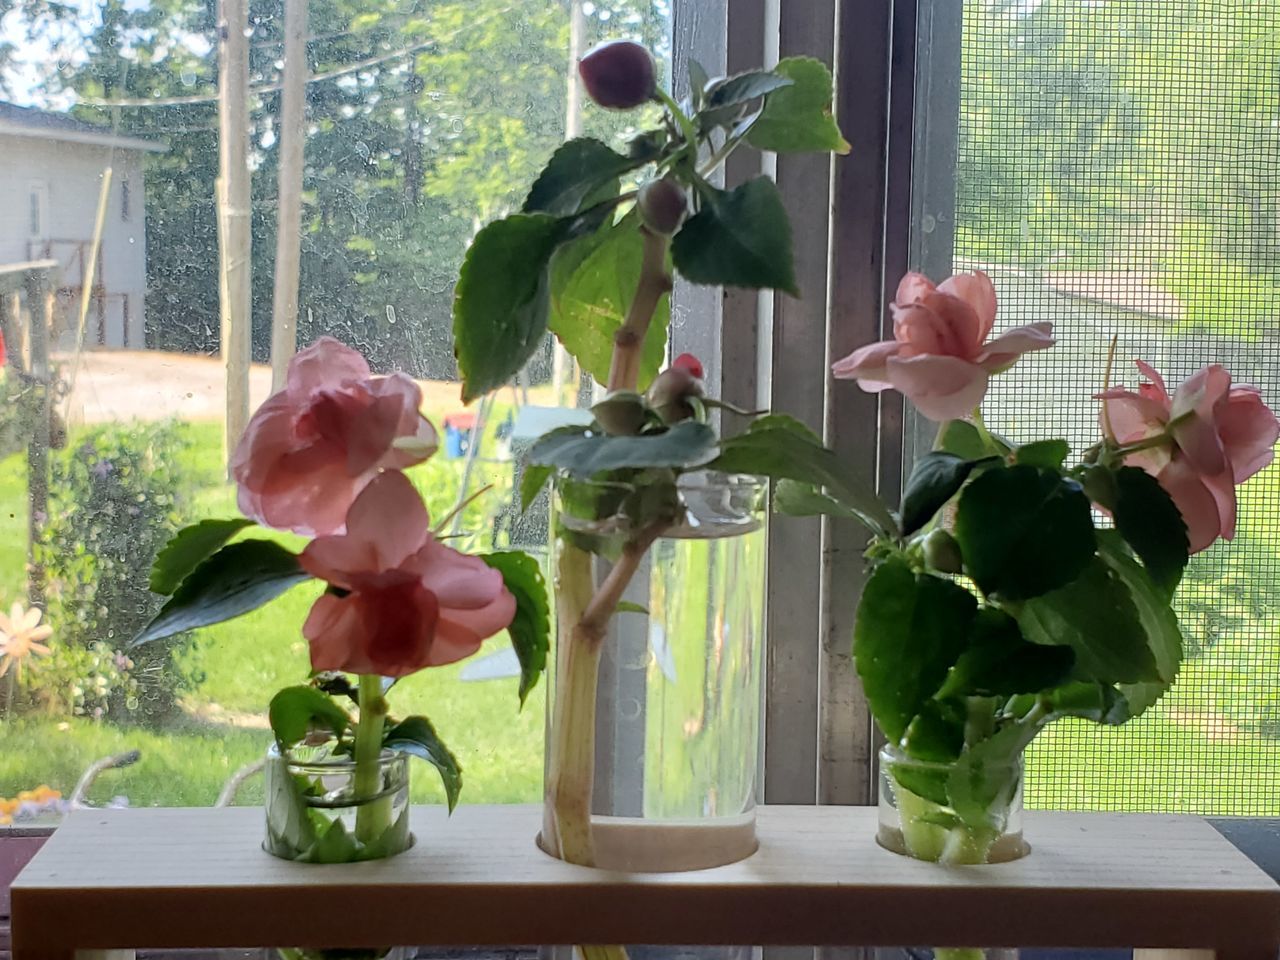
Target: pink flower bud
[(619, 75)]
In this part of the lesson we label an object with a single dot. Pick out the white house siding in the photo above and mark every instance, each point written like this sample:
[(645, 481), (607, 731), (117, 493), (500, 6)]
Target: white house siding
[(67, 177)]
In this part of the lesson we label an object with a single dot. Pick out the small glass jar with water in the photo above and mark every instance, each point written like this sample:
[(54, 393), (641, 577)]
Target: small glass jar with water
[(677, 718)]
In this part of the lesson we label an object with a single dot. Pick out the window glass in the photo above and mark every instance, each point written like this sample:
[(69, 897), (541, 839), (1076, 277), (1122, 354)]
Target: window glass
[(1116, 175), (424, 120)]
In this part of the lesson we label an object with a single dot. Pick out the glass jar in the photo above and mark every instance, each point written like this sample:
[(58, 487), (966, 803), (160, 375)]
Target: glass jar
[(315, 815), (914, 825), (675, 702)]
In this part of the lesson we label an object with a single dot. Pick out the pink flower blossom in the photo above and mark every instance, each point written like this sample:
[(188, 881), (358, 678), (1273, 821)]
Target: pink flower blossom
[(311, 448), (939, 356), (1218, 436), (405, 601)]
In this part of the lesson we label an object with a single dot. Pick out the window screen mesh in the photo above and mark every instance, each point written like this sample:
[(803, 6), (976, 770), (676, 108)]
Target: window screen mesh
[(1119, 174)]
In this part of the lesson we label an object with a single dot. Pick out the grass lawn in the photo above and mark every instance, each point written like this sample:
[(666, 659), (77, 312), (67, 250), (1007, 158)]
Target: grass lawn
[(242, 663)]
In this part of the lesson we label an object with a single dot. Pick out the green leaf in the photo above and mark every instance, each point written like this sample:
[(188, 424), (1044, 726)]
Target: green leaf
[(532, 480), (936, 733), (626, 606), (727, 98), (935, 479), (782, 448), (580, 174), (1151, 522), (698, 81), (335, 845), (589, 305), (417, 737), (530, 629), (798, 118), (797, 499), (963, 439), (238, 578), (999, 662), (501, 300), (740, 238), (909, 631), (1024, 531), (1164, 637), (188, 547), (1051, 454), (687, 444), (1099, 702), (985, 778), (1095, 615), (289, 829), (295, 711)]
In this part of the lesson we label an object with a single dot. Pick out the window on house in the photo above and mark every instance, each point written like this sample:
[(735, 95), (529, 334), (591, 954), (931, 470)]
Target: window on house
[(411, 146), (1111, 165), (37, 210)]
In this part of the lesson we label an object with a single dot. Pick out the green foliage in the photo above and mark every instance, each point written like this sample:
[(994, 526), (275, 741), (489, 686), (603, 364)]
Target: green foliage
[(530, 629), (1151, 523), (998, 661), (115, 498), (935, 479), (233, 581), (593, 281), (1024, 531), (1050, 454), (189, 547), (907, 618), (579, 174), (585, 453), (417, 737), (296, 711), (739, 238), (798, 117)]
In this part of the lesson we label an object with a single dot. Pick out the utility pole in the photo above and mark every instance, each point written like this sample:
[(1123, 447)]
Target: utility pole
[(293, 133), (234, 213), (563, 367)]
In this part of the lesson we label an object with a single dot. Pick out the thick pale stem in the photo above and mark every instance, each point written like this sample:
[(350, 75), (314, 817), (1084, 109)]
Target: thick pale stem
[(571, 777), (371, 818), (628, 342)]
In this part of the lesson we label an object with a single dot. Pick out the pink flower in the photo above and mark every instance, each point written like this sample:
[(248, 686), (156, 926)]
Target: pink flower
[(1218, 436), (409, 602), (311, 448), (939, 356)]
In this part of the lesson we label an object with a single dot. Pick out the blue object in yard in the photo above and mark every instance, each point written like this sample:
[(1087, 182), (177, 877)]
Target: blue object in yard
[(457, 434)]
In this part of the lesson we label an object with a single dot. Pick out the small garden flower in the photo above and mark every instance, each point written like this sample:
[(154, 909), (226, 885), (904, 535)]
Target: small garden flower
[(21, 634), (312, 447), (939, 356)]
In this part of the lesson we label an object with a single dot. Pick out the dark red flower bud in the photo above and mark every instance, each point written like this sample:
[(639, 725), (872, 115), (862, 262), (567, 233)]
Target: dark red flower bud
[(687, 361), (662, 205), (619, 75)]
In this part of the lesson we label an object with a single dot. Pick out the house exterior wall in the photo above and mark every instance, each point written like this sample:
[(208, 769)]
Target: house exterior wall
[(62, 181)]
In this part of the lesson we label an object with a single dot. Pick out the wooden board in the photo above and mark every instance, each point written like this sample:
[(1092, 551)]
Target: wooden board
[(198, 878)]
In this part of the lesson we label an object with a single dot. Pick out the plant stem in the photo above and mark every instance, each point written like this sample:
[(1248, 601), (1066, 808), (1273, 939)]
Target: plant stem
[(988, 441), (372, 818), (628, 342), (571, 777)]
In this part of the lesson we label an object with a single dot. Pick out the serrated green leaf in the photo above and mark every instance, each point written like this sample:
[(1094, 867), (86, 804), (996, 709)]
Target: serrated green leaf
[(927, 782), (740, 238), (1000, 662), (188, 547), (687, 444), (530, 628), (1096, 616), (501, 300), (797, 499), (335, 845), (295, 711), (1152, 524), (1023, 531), (984, 780), (935, 479), (936, 733), (909, 630), (590, 304), (728, 97), (580, 174), (1051, 454), (417, 737), (236, 579), (782, 448), (798, 118)]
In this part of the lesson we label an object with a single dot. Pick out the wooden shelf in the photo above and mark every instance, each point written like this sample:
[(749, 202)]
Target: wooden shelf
[(198, 878)]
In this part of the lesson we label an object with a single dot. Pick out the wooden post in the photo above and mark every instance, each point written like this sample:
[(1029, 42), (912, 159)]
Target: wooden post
[(292, 130), (40, 310), (562, 365), (234, 212)]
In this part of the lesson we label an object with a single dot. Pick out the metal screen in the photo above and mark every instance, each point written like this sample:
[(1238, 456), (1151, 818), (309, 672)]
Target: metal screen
[(1118, 173)]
